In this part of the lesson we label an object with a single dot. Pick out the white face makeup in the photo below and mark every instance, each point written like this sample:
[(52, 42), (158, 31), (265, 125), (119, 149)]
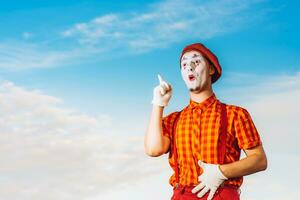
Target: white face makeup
[(194, 70)]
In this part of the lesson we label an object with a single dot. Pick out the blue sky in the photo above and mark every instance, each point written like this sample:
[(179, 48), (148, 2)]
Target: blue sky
[(262, 39), (74, 71)]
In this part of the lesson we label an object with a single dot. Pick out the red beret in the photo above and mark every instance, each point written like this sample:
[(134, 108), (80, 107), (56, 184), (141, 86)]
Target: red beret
[(208, 55)]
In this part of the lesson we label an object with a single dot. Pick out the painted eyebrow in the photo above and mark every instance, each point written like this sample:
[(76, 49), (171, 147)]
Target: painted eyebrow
[(194, 56)]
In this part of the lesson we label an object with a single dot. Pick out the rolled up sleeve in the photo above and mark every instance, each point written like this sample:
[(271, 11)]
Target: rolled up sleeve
[(167, 124), (245, 130)]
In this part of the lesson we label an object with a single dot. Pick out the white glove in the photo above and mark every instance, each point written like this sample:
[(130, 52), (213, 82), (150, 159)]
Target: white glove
[(162, 93), (210, 179)]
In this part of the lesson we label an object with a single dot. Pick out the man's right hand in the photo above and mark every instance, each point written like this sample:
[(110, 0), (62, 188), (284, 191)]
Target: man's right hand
[(162, 93)]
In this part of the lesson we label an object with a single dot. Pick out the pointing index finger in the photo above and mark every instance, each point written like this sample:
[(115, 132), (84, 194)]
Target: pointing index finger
[(160, 79), (162, 82)]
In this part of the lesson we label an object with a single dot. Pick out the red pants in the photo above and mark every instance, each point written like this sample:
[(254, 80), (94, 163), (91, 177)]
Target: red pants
[(223, 193)]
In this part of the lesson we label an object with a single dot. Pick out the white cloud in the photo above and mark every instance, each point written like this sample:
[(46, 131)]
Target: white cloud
[(159, 25), (275, 183), (163, 24), (20, 56), (273, 103), (27, 35), (51, 152), (150, 187)]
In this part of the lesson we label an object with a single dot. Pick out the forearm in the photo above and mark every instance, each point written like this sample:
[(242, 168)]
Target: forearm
[(154, 141), (248, 165)]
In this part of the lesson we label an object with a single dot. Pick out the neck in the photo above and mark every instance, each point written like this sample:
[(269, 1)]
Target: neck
[(201, 96)]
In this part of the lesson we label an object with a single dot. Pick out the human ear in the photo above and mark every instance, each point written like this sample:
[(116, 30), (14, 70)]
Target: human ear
[(212, 69)]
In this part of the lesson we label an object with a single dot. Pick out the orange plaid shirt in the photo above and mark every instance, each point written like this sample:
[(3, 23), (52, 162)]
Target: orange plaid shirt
[(197, 138)]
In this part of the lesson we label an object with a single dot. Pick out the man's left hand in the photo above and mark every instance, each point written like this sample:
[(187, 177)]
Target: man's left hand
[(210, 180)]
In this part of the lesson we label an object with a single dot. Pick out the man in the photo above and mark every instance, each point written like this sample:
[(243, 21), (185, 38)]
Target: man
[(205, 139)]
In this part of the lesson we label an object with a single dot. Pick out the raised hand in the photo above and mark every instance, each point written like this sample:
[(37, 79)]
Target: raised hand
[(162, 93)]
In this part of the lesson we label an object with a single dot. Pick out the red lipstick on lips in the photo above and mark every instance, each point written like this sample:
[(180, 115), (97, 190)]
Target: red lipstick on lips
[(191, 77)]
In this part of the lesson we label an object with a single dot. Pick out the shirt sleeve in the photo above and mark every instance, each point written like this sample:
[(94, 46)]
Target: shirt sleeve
[(167, 124), (245, 130)]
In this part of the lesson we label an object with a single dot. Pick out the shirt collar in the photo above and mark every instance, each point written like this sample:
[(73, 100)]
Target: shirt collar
[(203, 105)]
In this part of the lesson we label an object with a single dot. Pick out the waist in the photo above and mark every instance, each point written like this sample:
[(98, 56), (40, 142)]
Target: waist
[(188, 180), (223, 192), (189, 188)]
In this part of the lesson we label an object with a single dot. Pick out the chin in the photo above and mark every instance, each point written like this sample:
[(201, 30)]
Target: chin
[(195, 90)]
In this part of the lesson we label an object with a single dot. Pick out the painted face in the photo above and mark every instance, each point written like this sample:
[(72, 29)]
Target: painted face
[(194, 70)]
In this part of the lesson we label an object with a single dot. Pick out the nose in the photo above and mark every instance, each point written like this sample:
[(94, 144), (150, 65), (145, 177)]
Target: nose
[(192, 66)]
